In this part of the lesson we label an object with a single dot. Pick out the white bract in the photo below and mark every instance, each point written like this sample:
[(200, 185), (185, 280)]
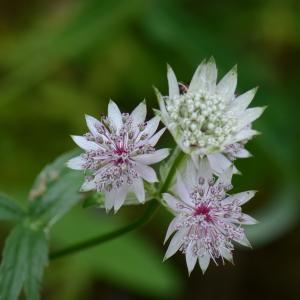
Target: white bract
[(208, 220), (207, 118), (118, 151)]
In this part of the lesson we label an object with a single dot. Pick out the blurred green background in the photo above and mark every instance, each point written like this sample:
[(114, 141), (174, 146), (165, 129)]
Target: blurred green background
[(60, 59)]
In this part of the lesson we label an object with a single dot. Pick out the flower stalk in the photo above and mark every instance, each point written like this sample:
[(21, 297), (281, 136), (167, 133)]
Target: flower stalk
[(152, 207), (146, 217)]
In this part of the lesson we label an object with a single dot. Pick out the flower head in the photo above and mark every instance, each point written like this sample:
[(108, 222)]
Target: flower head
[(207, 117), (118, 151), (208, 220)]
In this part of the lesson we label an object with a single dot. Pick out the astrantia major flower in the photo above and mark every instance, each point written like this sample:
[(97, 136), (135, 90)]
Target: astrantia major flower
[(118, 151), (207, 118), (208, 220)]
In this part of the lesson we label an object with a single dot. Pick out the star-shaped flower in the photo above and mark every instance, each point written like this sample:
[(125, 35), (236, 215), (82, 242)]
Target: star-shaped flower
[(118, 151), (208, 220), (207, 118)]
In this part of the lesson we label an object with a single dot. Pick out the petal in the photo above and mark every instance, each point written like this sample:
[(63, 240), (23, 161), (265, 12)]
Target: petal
[(190, 257), (204, 262), (247, 220), (250, 115), (162, 107), (88, 186), (91, 124), (138, 189), (226, 87), (152, 158), (218, 162), (176, 242), (211, 74), (244, 241), (241, 198), (243, 153), (155, 138), (226, 176), (182, 191), (115, 115), (120, 196), (76, 163), (205, 168), (242, 101), (138, 115), (173, 84), (171, 202), (205, 77), (199, 78), (226, 254), (172, 227), (83, 143), (151, 126), (145, 172), (244, 134), (191, 174), (109, 200)]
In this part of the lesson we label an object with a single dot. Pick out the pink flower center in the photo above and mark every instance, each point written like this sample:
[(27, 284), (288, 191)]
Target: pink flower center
[(122, 156), (203, 210)]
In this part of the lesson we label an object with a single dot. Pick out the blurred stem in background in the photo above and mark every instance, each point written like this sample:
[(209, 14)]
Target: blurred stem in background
[(151, 209)]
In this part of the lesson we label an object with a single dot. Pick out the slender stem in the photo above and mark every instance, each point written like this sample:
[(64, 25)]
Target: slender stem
[(152, 207), (172, 172)]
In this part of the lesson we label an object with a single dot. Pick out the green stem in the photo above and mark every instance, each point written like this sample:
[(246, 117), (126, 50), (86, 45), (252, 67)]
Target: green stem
[(180, 156), (152, 207)]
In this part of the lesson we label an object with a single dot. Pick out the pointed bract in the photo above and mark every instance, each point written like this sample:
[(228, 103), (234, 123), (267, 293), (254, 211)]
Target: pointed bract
[(115, 115), (173, 85)]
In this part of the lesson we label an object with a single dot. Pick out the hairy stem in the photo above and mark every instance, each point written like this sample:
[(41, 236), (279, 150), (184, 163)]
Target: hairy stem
[(149, 212)]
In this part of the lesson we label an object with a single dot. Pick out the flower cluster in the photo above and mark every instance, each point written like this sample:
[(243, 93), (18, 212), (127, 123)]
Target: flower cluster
[(211, 125), (207, 218), (207, 118), (118, 152)]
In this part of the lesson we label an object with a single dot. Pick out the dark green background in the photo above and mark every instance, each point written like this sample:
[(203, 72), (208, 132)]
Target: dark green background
[(62, 59)]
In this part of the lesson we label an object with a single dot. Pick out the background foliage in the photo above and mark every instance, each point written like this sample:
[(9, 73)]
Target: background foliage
[(61, 59)]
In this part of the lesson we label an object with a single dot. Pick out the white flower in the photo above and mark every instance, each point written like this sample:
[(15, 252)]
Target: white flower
[(118, 152), (208, 220), (207, 118)]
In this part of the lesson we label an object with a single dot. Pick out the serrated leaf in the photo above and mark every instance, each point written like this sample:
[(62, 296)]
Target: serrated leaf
[(14, 264), (36, 262), (24, 258), (55, 191), (9, 209)]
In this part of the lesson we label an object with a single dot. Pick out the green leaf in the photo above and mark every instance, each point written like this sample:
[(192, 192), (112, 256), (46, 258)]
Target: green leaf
[(9, 209), (55, 191), (96, 199), (14, 264), (122, 261), (24, 258), (36, 262)]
